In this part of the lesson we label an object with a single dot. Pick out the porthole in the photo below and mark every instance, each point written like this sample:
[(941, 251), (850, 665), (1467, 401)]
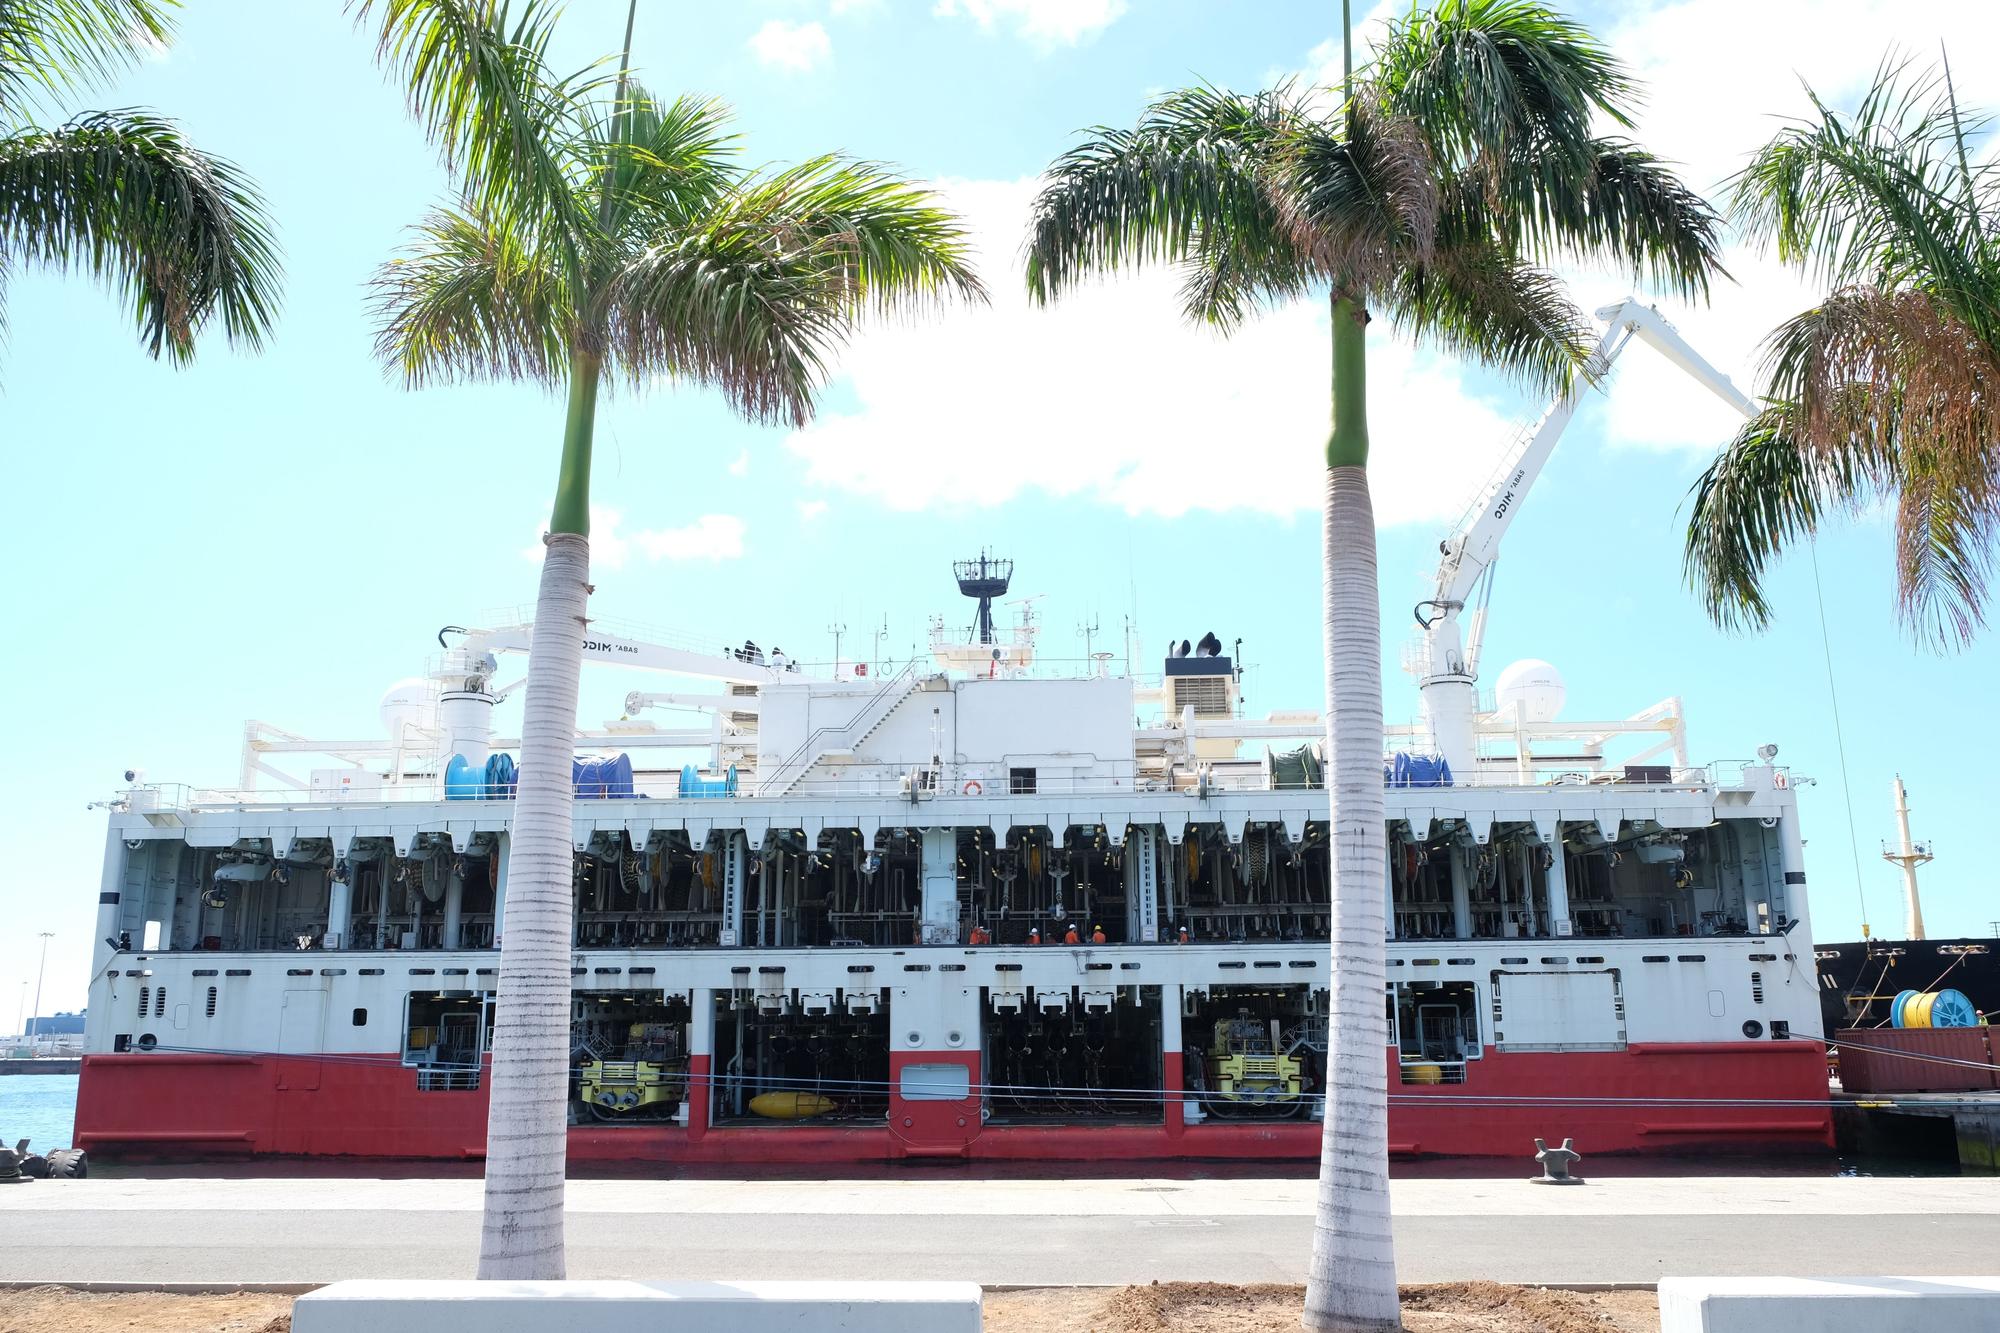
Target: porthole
[(1752, 1028), (147, 1041)]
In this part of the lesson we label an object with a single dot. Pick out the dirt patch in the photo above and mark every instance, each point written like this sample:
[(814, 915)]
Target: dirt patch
[(1210, 1307), (59, 1310), (1163, 1307)]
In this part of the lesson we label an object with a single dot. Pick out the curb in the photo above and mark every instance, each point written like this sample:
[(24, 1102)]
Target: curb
[(300, 1288)]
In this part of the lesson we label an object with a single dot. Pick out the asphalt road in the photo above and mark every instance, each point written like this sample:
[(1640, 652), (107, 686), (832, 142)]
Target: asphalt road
[(1002, 1232)]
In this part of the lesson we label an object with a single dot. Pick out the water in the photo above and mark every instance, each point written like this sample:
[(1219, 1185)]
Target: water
[(38, 1107)]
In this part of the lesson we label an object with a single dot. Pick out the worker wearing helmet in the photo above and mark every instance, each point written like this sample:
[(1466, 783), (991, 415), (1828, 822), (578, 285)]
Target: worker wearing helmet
[(1070, 936), (1097, 934), (979, 936), (1034, 934)]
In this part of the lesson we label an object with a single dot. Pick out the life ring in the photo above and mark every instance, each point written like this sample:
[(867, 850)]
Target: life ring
[(972, 787), (1778, 780)]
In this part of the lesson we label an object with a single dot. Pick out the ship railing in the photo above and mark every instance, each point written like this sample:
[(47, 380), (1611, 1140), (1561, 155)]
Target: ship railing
[(163, 801)]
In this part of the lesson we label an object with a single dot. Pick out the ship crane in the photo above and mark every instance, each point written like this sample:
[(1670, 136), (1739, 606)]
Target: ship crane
[(1449, 671)]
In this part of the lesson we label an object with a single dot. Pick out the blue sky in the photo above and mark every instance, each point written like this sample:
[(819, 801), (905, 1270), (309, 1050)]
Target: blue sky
[(280, 536)]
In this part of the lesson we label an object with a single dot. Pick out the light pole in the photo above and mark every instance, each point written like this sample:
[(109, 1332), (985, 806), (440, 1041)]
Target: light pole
[(21, 1012), (47, 935)]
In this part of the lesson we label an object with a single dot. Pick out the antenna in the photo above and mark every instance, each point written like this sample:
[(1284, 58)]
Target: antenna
[(983, 578), (1087, 631), (836, 630), (1909, 855)]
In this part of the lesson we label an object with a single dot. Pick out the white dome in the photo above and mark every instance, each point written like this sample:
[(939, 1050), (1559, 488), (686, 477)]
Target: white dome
[(1535, 685), (410, 702)]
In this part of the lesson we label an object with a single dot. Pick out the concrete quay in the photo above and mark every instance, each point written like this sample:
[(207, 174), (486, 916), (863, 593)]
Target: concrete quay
[(1001, 1232)]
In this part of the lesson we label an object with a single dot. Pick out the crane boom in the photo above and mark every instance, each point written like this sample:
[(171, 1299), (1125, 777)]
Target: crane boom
[(1449, 682)]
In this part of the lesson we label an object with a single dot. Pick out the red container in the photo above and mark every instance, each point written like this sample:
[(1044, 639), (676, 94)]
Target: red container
[(1917, 1059)]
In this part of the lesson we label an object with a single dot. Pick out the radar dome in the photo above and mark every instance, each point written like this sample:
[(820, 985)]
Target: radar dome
[(411, 702), (1535, 685)]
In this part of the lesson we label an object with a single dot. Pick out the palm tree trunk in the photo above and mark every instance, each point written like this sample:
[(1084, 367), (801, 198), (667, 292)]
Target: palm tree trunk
[(1351, 1285), (527, 1129)]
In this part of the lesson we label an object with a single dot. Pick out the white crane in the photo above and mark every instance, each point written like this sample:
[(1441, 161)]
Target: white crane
[(1450, 671)]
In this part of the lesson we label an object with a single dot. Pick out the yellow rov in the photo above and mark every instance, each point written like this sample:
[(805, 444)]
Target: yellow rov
[(1248, 1074)]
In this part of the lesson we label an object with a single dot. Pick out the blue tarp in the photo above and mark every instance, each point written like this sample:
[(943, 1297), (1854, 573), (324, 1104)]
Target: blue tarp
[(500, 778), (601, 779), (1416, 770)]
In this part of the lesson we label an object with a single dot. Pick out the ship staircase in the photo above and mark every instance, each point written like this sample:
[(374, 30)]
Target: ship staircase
[(845, 738)]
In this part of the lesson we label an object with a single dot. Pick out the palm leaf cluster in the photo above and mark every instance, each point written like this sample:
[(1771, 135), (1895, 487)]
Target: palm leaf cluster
[(603, 230), (122, 195), (1883, 392), (1464, 166)]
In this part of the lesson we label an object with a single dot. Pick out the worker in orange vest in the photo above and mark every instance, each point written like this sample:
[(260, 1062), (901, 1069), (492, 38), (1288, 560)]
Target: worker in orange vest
[(1183, 936), (1097, 934), (1070, 936), (979, 936), (1034, 934)]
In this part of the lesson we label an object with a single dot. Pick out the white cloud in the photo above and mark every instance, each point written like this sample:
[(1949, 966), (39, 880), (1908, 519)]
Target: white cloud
[(842, 8), (741, 465), (711, 537), (1046, 23), (1111, 396), (811, 509), (1772, 46), (796, 47)]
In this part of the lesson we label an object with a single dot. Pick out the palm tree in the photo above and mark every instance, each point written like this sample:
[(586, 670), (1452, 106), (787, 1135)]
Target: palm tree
[(596, 238), (1462, 164), (1884, 391), (122, 195)]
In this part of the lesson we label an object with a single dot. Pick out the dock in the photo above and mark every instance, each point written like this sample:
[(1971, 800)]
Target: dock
[(50, 1064), (1035, 1232)]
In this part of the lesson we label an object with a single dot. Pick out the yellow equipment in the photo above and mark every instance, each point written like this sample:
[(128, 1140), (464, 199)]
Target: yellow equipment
[(619, 1087), (1245, 1066), (790, 1105)]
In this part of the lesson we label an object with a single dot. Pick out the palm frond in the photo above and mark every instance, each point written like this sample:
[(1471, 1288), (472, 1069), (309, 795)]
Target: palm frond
[(1894, 368), (1628, 209), (469, 299), (669, 162), (1879, 197), (756, 298), (123, 196), (49, 45), (476, 75), (1362, 205), (1945, 535), (736, 305), (1763, 492), (1475, 300), (1229, 275), (1488, 78), (1192, 174), (891, 245)]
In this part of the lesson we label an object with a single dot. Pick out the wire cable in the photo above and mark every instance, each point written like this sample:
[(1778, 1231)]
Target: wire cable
[(1839, 735)]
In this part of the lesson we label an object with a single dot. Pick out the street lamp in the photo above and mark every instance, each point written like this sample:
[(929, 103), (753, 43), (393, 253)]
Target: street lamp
[(47, 935)]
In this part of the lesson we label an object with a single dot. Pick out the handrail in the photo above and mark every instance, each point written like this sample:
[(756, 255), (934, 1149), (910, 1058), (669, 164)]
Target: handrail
[(779, 779)]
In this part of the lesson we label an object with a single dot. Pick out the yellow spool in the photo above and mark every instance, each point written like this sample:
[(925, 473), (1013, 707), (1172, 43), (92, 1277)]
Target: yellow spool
[(1923, 1006), (1422, 1074)]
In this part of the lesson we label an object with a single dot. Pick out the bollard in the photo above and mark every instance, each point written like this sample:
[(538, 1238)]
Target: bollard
[(10, 1163), (1556, 1163)]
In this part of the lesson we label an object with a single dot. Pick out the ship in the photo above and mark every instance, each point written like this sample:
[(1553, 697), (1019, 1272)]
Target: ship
[(976, 905)]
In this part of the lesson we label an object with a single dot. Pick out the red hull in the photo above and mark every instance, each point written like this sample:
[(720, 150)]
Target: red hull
[(1660, 1098)]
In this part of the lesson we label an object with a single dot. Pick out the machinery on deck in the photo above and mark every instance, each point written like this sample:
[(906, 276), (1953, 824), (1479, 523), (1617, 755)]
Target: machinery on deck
[(1249, 1073)]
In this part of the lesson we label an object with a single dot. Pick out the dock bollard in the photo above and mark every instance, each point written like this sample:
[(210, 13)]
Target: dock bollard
[(1556, 1163)]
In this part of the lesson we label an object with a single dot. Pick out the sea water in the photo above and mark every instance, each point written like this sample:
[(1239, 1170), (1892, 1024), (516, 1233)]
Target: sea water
[(38, 1107)]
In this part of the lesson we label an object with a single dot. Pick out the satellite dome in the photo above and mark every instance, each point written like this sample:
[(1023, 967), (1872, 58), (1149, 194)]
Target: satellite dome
[(1535, 685), (410, 702)]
